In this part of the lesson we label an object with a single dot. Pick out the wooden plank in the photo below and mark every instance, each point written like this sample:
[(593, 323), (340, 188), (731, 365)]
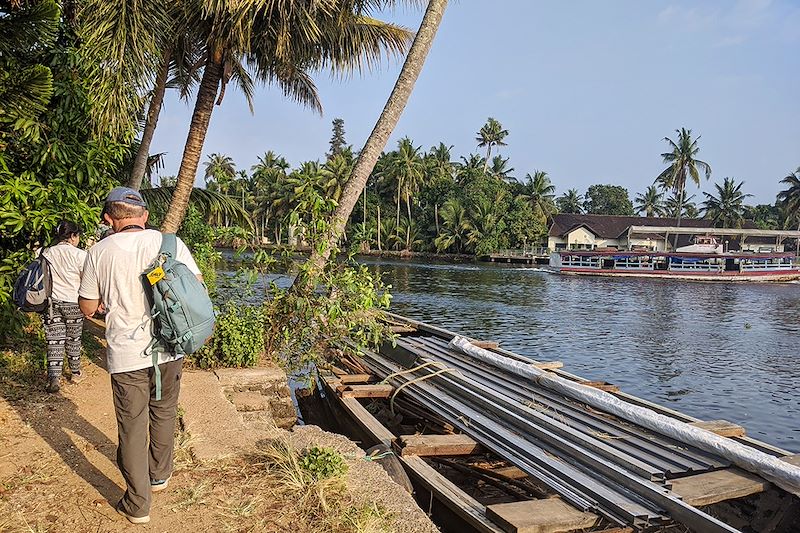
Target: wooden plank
[(511, 472), (377, 390), (723, 428), (348, 379), (368, 422), (602, 385), (359, 414), (401, 329), (487, 345), (550, 515), (458, 501), (714, 487), (548, 365), (792, 459), (438, 445)]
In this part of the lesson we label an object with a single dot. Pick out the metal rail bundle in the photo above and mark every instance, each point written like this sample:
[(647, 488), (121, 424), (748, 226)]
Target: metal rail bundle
[(585, 470), (666, 457)]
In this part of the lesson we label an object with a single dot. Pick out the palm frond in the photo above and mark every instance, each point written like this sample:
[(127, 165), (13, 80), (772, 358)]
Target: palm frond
[(208, 202)]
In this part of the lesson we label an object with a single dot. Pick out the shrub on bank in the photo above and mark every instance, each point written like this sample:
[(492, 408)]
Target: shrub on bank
[(238, 339)]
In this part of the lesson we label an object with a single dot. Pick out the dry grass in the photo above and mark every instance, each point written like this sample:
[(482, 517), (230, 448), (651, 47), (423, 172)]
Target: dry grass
[(271, 491)]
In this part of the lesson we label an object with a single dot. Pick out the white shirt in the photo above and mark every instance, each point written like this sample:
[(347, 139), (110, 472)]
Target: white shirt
[(112, 274), (66, 267)]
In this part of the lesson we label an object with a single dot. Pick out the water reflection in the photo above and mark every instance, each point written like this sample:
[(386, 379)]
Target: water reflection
[(710, 350)]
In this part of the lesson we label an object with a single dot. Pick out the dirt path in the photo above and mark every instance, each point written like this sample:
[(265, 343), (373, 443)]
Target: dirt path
[(58, 473)]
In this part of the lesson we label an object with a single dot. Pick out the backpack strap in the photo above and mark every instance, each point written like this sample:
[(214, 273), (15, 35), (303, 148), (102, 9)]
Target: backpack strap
[(169, 246)]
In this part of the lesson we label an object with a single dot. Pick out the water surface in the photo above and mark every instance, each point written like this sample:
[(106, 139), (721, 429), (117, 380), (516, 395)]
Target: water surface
[(714, 351)]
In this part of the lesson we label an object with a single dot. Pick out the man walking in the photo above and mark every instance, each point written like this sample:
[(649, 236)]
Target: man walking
[(112, 276)]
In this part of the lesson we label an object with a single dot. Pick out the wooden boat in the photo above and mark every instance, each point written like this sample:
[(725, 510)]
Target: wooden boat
[(702, 261), (441, 453)]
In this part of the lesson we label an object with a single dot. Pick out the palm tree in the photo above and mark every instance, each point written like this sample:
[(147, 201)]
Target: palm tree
[(500, 169), (687, 207), (789, 200), (268, 176), (220, 173), (539, 192), (491, 134), (455, 227), (470, 168), (682, 164), (408, 170), (24, 27), (335, 173), (650, 202), (570, 202), (727, 207), (281, 44), (376, 142)]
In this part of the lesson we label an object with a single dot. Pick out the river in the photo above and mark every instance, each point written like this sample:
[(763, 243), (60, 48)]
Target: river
[(714, 351)]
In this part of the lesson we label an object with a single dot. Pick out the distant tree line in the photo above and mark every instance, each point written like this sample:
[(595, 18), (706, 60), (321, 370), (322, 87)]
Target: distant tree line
[(430, 200)]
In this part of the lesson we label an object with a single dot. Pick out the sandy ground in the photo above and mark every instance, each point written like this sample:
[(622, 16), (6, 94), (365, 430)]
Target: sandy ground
[(58, 471)]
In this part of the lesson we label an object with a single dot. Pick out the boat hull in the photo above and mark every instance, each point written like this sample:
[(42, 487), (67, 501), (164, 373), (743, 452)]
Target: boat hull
[(773, 276)]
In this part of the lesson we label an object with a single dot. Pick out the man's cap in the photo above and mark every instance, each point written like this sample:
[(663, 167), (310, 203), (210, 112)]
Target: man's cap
[(126, 195)]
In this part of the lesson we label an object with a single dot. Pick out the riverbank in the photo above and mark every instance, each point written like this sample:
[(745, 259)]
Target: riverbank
[(386, 254), (235, 469)]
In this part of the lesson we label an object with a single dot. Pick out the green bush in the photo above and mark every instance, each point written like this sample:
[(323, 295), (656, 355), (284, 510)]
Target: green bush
[(323, 463), (238, 339)]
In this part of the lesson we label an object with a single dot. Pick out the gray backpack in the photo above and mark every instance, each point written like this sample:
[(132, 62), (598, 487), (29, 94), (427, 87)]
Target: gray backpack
[(182, 312), (33, 286)]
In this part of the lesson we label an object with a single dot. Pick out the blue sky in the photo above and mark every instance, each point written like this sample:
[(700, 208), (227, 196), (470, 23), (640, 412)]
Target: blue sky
[(588, 90)]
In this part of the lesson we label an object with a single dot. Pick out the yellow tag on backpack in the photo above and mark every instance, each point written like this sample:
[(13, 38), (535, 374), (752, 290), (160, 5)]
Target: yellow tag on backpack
[(155, 275)]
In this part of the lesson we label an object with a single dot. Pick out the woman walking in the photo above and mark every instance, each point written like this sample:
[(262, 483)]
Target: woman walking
[(63, 321)]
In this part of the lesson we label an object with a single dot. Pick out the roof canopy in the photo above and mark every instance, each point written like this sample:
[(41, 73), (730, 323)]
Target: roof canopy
[(715, 231)]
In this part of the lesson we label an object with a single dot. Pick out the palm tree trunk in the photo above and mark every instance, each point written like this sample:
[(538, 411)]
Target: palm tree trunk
[(364, 197), (379, 228), (203, 107), (436, 217), (377, 140), (153, 111), (488, 155), (408, 228), (680, 212), (397, 219)]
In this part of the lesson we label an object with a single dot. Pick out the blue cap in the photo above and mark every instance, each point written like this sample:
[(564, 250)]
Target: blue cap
[(126, 195)]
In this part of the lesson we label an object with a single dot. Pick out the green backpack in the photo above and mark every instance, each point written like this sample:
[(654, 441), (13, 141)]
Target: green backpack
[(182, 312)]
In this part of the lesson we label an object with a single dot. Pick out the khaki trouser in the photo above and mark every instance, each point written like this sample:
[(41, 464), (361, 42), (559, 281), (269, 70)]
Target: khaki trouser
[(139, 414)]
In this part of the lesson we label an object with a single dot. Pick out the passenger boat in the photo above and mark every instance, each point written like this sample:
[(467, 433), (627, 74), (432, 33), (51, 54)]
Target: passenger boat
[(704, 260)]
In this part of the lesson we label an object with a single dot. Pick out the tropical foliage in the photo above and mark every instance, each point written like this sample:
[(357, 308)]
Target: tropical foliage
[(52, 165), (683, 164), (726, 208)]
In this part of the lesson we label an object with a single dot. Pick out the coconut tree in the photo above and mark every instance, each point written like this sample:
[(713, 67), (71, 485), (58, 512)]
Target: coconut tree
[(408, 170), (539, 192), (469, 168), (650, 202), (282, 44), (726, 208), (570, 202), (220, 173), (376, 142), (789, 201), (491, 134), (455, 227), (268, 176), (687, 208), (500, 169), (683, 164)]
